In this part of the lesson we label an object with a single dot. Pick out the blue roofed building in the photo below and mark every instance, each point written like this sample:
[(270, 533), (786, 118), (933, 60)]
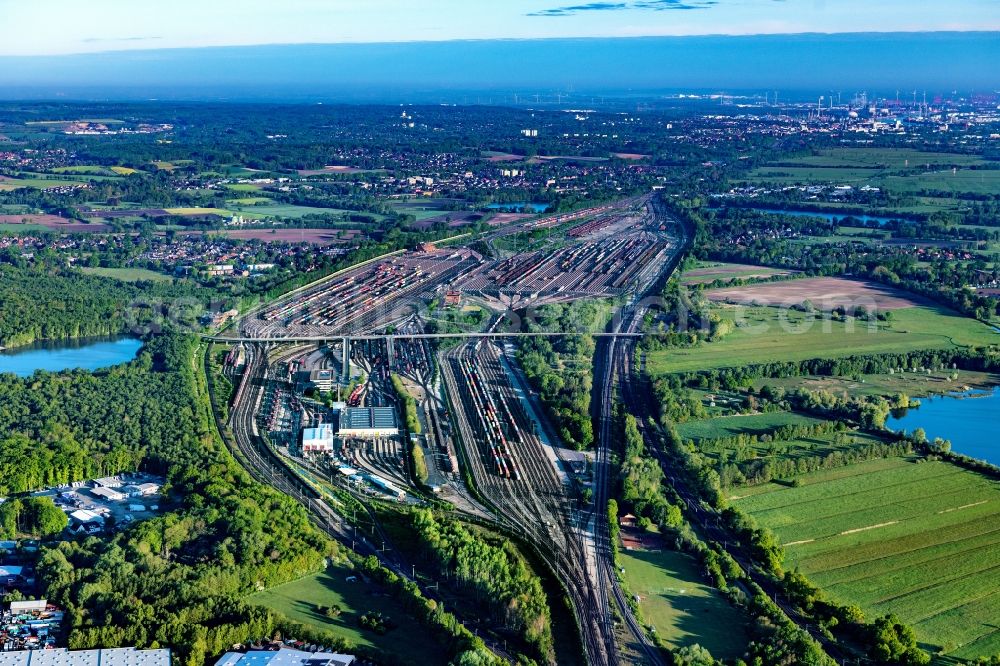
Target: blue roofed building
[(285, 657)]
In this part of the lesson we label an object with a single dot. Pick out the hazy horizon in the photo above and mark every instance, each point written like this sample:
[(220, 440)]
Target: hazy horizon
[(933, 61), (112, 25)]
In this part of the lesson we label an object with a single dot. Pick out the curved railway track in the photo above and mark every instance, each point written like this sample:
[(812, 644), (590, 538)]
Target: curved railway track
[(520, 487), (267, 467), (528, 497)]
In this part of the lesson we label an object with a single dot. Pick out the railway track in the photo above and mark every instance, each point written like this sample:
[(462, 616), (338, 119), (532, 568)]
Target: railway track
[(705, 519), (267, 467), (528, 497), (608, 370), (531, 499)]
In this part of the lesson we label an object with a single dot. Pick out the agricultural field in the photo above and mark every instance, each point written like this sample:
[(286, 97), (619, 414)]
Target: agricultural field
[(494, 156), (825, 293), (8, 184), (409, 642), (35, 219), (199, 211), (421, 211), (683, 610), (32, 222), (14, 209), (915, 538), (960, 182), (913, 384), (883, 158), (170, 166), (795, 175), (289, 211), (244, 187), (754, 424), (767, 334), (422, 214), (70, 176), (850, 236), (705, 272), (8, 227), (900, 170), (94, 170), (128, 274), (249, 201), (860, 233)]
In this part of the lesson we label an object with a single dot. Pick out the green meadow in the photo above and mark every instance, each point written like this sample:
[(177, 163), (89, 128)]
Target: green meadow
[(918, 539)]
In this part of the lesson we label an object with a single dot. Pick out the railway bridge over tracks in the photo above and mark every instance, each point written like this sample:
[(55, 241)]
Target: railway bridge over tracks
[(390, 339)]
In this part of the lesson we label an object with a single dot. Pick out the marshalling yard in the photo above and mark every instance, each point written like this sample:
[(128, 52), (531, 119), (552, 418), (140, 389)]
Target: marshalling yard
[(478, 418), (600, 257)]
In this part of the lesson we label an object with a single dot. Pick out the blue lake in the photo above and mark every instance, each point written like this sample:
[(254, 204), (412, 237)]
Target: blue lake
[(56, 356), (830, 217), (967, 420), (519, 206)]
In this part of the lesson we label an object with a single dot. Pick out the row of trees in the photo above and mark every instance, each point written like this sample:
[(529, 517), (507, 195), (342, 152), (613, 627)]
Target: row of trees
[(642, 478), (765, 470), (868, 364), (494, 572), (408, 406), (37, 517), (775, 640), (560, 368)]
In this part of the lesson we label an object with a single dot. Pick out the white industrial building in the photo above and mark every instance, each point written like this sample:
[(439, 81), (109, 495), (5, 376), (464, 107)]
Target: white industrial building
[(284, 657), (109, 494), (31, 606), (86, 521), (141, 489), (318, 439)]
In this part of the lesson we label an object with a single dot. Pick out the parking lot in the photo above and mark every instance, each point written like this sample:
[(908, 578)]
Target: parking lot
[(101, 505)]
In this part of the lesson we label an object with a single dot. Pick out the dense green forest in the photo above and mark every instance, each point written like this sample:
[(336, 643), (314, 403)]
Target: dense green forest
[(177, 580), (46, 302), (78, 425), (34, 516)]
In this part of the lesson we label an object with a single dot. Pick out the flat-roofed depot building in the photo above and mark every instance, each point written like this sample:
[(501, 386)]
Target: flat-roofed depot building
[(368, 422), (318, 440), (108, 657), (353, 423)]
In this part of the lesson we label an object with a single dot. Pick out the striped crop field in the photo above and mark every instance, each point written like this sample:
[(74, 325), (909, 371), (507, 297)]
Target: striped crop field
[(918, 539)]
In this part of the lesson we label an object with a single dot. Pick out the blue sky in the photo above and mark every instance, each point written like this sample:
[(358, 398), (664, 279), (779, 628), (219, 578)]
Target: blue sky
[(51, 27)]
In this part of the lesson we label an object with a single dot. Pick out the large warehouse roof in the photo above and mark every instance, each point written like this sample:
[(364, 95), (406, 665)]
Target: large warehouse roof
[(64, 657), (374, 418)]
